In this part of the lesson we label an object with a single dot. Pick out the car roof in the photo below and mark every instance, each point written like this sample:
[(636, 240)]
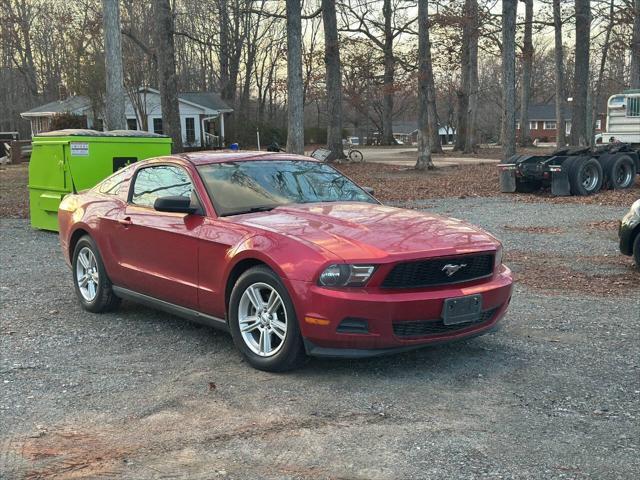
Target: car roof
[(221, 156)]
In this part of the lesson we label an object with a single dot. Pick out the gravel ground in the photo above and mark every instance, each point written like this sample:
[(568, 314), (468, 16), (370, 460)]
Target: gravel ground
[(555, 393)]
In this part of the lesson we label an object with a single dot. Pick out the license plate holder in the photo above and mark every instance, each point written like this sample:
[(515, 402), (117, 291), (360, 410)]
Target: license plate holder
[(467, 309)]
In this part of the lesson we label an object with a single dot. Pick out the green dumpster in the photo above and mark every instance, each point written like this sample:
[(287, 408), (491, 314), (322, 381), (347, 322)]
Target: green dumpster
[(68, 160)]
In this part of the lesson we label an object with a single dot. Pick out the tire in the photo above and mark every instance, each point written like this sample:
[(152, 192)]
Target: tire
[(96, 295), (356, 156), (620, 172), (249, 297), (528, 186), (585, 176), (636, 250)]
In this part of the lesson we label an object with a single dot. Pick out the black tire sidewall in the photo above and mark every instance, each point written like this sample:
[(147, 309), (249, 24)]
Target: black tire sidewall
[(636, 250), (103, 298), (611, 168), (292, 351), (575, 168)]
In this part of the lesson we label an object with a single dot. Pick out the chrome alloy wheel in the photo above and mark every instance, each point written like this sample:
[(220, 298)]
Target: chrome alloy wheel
[(623, 174), (262, 319), (87, 275), (589, 177)]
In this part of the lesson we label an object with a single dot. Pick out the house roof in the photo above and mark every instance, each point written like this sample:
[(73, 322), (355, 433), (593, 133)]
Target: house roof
[(546, 112), (71, 104), (206, 100)]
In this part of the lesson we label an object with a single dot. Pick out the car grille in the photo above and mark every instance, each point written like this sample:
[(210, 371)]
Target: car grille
[(430, 273), (426, 328)]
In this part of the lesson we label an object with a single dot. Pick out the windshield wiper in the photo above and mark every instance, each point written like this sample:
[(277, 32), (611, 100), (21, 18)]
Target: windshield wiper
[(264, 208)]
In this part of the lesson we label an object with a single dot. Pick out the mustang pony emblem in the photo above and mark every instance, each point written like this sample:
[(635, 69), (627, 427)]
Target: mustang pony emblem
[(450, 268)]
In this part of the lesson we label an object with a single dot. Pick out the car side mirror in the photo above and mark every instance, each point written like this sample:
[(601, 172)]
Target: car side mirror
[(369, 190), (174, 205)]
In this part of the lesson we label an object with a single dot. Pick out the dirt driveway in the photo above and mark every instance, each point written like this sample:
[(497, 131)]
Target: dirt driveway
[(140, 394)]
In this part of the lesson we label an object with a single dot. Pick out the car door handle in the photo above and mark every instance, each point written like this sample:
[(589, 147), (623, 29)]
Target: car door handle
[(126, 221)]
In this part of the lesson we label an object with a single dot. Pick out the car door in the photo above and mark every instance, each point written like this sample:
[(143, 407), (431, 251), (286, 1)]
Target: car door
[(158, 251)]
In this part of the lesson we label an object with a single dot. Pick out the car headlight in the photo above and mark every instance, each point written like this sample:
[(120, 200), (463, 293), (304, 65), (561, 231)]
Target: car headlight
[(343, 275), (635, 208), (498, 258)]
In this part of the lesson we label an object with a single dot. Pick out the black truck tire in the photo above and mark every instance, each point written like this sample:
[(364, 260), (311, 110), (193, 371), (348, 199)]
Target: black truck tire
[(620, 171), (585, 176)]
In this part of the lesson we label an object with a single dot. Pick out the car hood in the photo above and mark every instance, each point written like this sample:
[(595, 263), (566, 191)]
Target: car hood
[(363, 231)]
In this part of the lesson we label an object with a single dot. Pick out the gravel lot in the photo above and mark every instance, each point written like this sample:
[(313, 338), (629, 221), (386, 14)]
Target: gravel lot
[(139, 394)]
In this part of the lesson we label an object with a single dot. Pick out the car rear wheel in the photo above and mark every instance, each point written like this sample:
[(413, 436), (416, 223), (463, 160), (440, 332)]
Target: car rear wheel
[(263, 321), (585, 176), (621, 172), (92, 285)]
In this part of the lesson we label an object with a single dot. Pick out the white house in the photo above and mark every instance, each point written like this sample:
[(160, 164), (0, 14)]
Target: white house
[(201, 115)]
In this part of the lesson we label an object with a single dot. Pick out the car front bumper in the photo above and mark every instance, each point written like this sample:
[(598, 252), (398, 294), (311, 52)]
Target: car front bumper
[(626, 232), (323, 312)]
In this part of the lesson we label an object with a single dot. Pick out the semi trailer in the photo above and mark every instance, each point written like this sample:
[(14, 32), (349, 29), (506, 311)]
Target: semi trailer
[(584, 170)]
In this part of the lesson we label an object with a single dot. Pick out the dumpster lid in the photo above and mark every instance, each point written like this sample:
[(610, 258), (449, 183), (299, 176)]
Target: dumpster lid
[(79, 132)]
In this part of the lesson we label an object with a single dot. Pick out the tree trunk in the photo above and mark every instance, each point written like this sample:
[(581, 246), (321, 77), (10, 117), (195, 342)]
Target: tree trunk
[(295, 94), (465, 80), (168, 83), (581, 77), (635, 47), (223, 27), (334, 78), (509, 10), (471, 17), (527, 65), (561, 140), (389, 74), (603, 63), (432, 111), (425, 127), (114, 98)]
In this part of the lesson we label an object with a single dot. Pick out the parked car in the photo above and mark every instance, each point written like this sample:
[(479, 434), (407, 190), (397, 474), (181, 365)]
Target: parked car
[(285, 253), (629, 233)]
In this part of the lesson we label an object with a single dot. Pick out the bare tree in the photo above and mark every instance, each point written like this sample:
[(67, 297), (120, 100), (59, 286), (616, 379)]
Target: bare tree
[(581, 76), (165, 54), (559, 76), (425, 90), (527, 65), (114, 99), (334, 78), (471, 16), (295, 89), (635, 47), (509, 10)]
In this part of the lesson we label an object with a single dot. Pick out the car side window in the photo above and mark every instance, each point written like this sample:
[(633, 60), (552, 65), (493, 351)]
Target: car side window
[(161, 181), (111, 186)]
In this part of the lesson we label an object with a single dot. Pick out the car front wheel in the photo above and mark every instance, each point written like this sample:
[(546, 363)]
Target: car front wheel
[(90, 279), (263, 322)]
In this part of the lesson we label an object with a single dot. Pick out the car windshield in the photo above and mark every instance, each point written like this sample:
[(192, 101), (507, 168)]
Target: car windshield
[(247, 186)]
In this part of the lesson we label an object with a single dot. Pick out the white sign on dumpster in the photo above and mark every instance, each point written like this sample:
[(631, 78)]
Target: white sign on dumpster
[(79, 149)]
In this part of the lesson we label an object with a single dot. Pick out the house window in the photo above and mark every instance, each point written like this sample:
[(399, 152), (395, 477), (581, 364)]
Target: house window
[(517, 125), (549, 125), (533, 125), (567, 127), (132, 124), (98, 125), (190, 129), (157, 126), (599, 124)]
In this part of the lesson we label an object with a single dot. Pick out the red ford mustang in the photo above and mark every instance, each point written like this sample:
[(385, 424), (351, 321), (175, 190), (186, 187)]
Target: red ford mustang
[(284, 252)]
